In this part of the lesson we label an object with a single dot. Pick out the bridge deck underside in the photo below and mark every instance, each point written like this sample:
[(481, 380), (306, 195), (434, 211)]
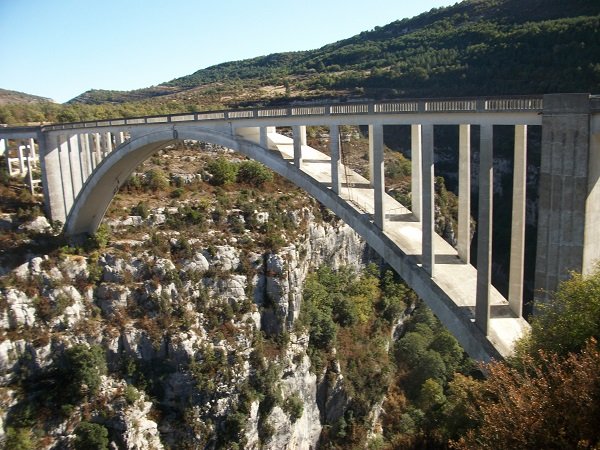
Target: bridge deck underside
[(453, 276)]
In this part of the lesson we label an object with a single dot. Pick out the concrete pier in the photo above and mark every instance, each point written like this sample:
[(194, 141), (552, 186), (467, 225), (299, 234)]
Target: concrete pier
[(428, 202), (415, 160), (378, 181), (484, 228), (463, 245), (517, 237), (336, 166)]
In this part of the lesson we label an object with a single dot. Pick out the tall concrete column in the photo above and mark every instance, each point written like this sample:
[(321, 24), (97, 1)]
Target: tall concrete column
[(334, 149), (65, 171), (105, 143), (371, 156), (30, 175), (591, 243), (119, 138), (74, 164), (484, 228), (3, 146), (52, 177), (96, 151), (297, 135), (303, 140), (517, 237), (84, 156), (32, 153), (378, 174), (416, 168), (263, 139), (568, 211), (464, 193), (22, 160), (428, 193)]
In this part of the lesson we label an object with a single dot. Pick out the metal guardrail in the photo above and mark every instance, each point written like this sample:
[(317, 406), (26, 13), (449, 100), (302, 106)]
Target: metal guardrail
[(449, 105)]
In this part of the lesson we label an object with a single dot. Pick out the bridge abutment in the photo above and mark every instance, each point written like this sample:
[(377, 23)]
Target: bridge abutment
[(568, 212)]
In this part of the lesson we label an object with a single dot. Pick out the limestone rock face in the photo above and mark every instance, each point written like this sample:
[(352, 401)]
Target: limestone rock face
[(21, 311)]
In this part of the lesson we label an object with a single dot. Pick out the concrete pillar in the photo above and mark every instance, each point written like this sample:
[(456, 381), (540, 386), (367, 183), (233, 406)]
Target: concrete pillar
[(517, 237), (3, 146), (105, 143), (464, 193), (416, 168), (75, 164), (428, 192), (52, 177), (484, 228), (263, 140), (32, 152), (376, 131), (334, 149), (21, 160), (97, 151), (84, 156), (65, 171), (567, 215), (30, 176), (371, 156), (303, 140), (591, 243), (119, 138), (297, 134)]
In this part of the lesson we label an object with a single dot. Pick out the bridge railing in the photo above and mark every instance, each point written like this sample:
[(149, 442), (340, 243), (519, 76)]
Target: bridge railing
[(439, 105)]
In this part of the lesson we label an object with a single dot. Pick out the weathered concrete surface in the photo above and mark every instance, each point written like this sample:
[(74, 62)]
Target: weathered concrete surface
[(567, 193)]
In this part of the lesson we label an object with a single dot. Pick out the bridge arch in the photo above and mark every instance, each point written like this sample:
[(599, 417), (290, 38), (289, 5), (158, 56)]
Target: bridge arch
[(101, 187)]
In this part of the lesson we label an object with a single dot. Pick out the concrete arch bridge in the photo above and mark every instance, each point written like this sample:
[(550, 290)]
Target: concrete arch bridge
[(84, 164)]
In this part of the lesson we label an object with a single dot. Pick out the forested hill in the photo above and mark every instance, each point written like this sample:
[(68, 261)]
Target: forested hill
[(476, 47), (473, 47), (11, 97)]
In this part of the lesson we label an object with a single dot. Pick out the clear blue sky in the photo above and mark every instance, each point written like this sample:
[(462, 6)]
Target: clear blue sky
[(61, 48)]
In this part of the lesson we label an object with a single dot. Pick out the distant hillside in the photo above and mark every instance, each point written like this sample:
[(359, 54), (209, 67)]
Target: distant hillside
[(12, 97), (474, 47)]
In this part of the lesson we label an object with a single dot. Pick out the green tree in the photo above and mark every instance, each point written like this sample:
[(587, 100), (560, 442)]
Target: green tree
[(156, 180), (222, 171), (80, 371), (253, 173), (91, 436), (570, 318)]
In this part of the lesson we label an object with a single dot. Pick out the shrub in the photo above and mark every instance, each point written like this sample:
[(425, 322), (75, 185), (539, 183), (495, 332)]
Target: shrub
[(82, 366), (156, 180), (18, 439), (254, 173), (294, 407), (223, 172), (91, 436)]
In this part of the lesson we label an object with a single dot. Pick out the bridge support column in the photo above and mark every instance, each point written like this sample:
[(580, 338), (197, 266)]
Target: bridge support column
[(75, 164), (428, 192), (334, 149), (415, 160), (517, 238), (378, 174), (371, 156), (569, 203), (262, 137), (65, 171), (299, 135), (52, 177), (464, 193), (97, 151), (484, 228), (22, 159), (3, 146), (105, 143), (85, 156), (32, 148)]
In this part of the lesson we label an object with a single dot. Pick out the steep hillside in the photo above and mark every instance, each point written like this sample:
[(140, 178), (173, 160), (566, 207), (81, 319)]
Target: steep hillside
[(473, 47), (12, 97)]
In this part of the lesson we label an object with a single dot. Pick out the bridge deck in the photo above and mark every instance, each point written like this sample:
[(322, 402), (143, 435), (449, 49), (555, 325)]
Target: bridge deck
[(453, 276)]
